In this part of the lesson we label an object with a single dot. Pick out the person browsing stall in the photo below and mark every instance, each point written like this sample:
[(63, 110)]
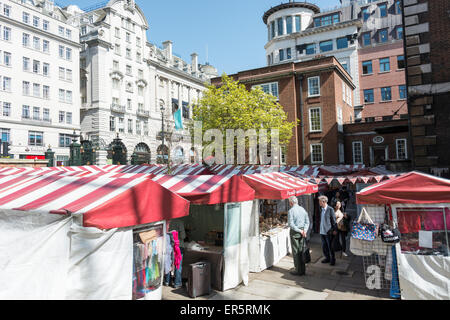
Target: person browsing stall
[(298, 222), (327, 230)]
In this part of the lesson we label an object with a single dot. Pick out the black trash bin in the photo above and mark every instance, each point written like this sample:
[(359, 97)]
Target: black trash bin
[(199, 279)]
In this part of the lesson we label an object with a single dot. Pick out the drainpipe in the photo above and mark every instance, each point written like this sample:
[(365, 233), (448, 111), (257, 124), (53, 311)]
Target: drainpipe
[(300, 78)]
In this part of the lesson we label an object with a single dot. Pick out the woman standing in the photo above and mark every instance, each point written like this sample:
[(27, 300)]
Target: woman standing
[(342, 225)]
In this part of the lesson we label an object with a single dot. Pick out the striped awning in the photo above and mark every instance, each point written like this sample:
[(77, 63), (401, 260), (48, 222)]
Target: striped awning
[(278, 185), (207, 189), (105, 201)]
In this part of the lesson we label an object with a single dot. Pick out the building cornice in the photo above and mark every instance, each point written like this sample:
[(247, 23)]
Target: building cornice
[(176, 72), (283, 6), (39, 124)]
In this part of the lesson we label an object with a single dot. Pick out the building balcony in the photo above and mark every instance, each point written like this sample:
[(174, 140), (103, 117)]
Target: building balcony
[(117, 108), (36, 120), (143, 113)]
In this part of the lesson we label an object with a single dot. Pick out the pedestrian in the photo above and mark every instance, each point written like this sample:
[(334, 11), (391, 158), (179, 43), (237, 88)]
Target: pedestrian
[(328, 229), (342, 226), (337, 197), (178, 237), (168, 257), (298, 222)]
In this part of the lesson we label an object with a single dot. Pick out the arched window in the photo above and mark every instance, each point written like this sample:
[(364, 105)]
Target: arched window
[(162, 154)]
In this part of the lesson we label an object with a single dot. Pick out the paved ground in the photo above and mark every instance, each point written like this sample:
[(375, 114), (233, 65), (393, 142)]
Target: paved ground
[(344, 281)]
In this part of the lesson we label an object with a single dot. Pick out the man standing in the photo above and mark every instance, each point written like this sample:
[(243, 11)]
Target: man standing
[(298, 223), (327, 230)]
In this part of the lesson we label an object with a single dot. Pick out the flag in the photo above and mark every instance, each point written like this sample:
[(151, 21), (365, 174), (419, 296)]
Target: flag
[(178, 120)]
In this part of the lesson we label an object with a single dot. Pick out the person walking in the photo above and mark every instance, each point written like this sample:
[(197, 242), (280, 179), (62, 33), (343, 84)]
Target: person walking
[(327, 230), (342, 226), (298, 222)]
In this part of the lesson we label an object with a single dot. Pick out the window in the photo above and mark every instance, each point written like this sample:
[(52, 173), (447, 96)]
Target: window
[(129, 104), (342, 43), (36, 89), (280, 26), (25, 88), (288, 53), (116, 65), (138, 42), (138, 56), (6, 34), (400, 62), (46, 114), (357, 152), (127, 37), (69, 54), (399, 31), (61, 52), (62, 116), (128, 53), (401, 148), (61, 31), (83, 30), (130, 126), (62, 73), (45, 46), (121, 125), (317, 153), (367, 67), (398, 7), (340, 119), (6, 10), (315, 119), (117, 49), (25, 112), (138, 127), (129, 70), (345, 66), (269, 88), (62, 95), (326, 20), (25, 39), (45, 25), (6, 84), (365, 13), (383, 10), (386, 94), (69, 117), (117, 33), (313, 86), (64, 140), (36, 66), (368, 96), (26, 64), (35, 22), (36, 113), (297, 23), (69, 96), (384, 65), (289, 25), (366, 39), (69, 75), (35, 138), (281, 54), (383, 36), (26, 17), (68, 34), (36, 43), (5, 134), (326, 46), (311, 48), (272, 29), (116, 84), (7, 59), (45, 69), (402, 91), (46, 92), (6, 109), (341, 153)]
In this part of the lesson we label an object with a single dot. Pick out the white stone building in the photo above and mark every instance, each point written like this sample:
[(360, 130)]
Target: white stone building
[(126, 80), (39, 79)]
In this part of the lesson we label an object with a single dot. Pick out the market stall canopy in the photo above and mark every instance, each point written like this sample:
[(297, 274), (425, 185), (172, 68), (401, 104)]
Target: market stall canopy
[(207, 189), (412, 187), (278, 185), (104, 201)]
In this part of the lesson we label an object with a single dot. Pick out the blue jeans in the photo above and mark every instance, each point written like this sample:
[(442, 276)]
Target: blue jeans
[(177, 281)]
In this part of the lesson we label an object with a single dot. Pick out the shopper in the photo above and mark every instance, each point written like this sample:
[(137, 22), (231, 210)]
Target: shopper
[(298, 223), (178, 237), (168, 257), (342, 226), (328, 229)]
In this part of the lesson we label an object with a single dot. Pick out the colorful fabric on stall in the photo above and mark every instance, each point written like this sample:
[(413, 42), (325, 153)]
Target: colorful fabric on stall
[(435, 219), (409, 221), (176, 249)]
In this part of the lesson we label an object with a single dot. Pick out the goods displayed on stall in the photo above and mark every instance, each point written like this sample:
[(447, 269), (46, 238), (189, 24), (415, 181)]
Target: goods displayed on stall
[(147, 262), (270, 218)]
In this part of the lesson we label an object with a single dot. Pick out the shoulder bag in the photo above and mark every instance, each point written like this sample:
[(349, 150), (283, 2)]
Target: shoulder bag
[(364, 231), (390, 233)]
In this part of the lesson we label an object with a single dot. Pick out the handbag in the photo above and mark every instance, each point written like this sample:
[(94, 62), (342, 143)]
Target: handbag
[(306, 253), (390, 234), (364, 231)]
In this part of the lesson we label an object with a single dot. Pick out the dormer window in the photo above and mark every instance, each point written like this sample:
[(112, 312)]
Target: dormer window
[(327, 20)]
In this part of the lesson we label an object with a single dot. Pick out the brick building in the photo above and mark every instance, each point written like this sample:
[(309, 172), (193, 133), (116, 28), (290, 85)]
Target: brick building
[(427, 47), (316, 92)]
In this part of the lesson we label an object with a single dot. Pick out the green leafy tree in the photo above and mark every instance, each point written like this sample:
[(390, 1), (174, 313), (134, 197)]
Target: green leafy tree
[(232, 106)]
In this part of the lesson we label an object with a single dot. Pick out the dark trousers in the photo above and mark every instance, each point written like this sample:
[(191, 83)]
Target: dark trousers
[(326, 247), (343, 238), (297, 252)]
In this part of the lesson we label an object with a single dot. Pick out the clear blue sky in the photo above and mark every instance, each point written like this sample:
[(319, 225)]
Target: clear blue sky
[(232, 32)]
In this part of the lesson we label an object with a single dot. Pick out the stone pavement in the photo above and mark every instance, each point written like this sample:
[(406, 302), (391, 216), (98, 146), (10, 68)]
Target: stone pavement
[(344, 281)]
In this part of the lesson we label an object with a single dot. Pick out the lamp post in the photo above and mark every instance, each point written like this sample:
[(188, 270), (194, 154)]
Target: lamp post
[(75, 151), (117, 151), (50, 156), (162, 131)]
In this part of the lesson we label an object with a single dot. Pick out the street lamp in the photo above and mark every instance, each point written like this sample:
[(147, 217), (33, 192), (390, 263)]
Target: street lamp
[(75, 151), (162, 130)]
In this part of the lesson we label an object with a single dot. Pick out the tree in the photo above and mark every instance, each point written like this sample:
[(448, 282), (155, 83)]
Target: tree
[(232, 106)]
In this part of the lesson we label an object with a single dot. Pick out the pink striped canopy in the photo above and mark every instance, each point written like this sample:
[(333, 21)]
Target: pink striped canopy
[(104, 200), (278, 185)]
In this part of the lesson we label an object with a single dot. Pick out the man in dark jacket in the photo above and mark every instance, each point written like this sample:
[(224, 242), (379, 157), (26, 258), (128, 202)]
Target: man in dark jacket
[(328, 229)]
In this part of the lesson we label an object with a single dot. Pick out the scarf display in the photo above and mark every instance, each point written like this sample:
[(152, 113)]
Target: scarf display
[(176, 249)]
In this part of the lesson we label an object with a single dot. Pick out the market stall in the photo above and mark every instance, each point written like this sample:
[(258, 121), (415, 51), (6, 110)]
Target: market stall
[(71, 237), (217, 227), (270, 239), (420, 205)]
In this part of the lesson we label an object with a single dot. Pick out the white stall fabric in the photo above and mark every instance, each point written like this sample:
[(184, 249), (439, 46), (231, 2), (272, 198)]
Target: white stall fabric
[(34, 255), (101, 264)]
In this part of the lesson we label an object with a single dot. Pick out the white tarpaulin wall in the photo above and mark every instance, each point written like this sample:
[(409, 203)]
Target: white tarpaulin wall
[(34, 255), (422, 277), (101, 264), (236, 237)]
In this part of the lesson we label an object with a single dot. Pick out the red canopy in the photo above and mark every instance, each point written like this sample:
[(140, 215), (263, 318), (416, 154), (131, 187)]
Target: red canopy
[(104, 201), (207, 189), (412, 187), (278, 185)]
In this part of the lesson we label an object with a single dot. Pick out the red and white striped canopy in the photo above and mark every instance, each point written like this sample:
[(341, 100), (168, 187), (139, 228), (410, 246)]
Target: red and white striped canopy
[(207, 189), (105, 202), (278, 185)]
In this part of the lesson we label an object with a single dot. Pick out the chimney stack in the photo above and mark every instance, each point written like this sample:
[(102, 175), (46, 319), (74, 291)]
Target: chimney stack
[(167, 45), (194, 62)]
